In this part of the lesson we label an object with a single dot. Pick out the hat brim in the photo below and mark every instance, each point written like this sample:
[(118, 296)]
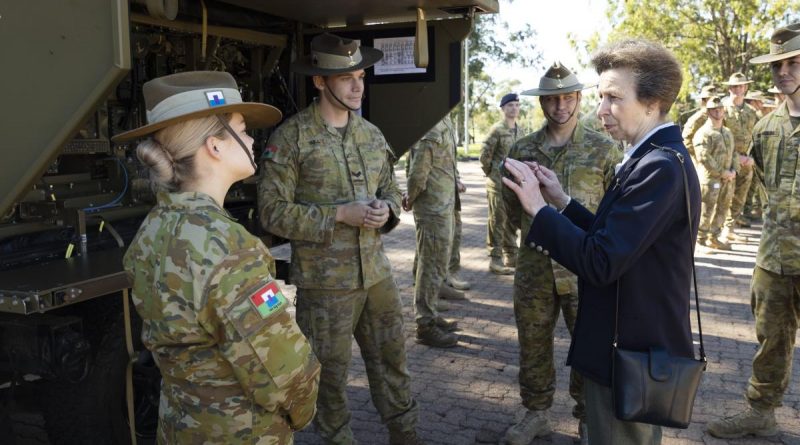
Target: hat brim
[(572, 89), (768, 58), (731, 84), (255, 116), (369, 57)]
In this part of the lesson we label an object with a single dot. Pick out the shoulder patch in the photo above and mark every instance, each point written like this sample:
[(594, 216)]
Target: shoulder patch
[(269, 152), (268, 300)]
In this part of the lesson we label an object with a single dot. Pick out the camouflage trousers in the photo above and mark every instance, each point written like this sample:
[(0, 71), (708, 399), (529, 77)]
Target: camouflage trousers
[(743, 179), (536, 309), (501, 233), (716, 199), (755, 198), (434, 243), (775, 300), (455, 248), (330, 319)]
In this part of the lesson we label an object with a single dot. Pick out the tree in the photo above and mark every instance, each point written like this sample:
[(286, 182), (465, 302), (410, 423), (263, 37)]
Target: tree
[(711, 38), (491, 40)]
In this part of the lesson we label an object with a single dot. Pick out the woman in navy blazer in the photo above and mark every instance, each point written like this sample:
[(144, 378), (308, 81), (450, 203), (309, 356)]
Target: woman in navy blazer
[(641, 236)]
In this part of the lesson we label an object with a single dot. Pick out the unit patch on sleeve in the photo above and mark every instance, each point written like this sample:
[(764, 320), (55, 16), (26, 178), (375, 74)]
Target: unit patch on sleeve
[(268, 300)]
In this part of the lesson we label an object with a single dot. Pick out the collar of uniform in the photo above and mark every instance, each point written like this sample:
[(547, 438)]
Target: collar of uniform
[(192, 201), (318, 120), (575, 139)]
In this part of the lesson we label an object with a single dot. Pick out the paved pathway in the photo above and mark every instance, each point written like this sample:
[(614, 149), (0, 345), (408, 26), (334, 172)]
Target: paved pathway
[(469, 394)]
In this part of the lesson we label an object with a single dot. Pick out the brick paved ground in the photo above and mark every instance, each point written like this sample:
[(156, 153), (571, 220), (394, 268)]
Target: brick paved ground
[(469, 394)]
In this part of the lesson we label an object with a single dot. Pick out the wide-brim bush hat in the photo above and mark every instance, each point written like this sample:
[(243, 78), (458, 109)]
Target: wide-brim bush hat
[(708, 91), (754, 95), (194, 94), (557, 80), (737, 79), (331, 54), (714, 102), (784, 43)]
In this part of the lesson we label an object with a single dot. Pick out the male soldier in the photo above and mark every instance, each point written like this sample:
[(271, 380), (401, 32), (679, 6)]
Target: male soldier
[(453, 282), (501, 234), (432, 190), (328, 186), (697, 119), (716, 169), (740, 119), (584, 160), (755, 99), (775, 287)]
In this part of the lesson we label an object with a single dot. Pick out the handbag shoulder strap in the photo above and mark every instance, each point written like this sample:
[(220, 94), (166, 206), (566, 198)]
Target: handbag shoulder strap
[(682, 160)]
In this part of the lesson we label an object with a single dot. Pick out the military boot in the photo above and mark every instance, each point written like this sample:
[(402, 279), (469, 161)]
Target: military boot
[(497, 267), (441, 306), (735, 237), (399, 437), (714, 243), (533, 424), (509, 260), (454, 280), (432, 335), (751, 421), (448, 293), (446, 325)]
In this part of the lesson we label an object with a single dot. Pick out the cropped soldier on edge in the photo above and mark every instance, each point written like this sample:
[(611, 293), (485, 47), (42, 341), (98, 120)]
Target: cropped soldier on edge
[(775, 287), (328, 186)]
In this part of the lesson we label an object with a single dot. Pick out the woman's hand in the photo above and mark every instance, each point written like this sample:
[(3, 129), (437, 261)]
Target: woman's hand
[(549, 185), (525, 185)]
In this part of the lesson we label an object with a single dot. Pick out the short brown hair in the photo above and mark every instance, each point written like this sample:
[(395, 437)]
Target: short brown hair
[(655, 69)]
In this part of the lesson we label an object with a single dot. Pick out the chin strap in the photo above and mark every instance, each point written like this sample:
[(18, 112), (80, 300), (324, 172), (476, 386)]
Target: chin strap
[(239, 140), (330, 91)]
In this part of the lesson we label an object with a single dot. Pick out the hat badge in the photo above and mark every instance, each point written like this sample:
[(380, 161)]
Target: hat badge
[(350, 55)]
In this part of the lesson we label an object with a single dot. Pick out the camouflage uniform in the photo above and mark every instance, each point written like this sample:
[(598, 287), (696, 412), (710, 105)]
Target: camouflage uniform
[(776, 279), (454, 265), (232, 373), (344, 279), (690, 128), (432, 193), (740, 120), (715, 155), (585, 167), (501, 234)]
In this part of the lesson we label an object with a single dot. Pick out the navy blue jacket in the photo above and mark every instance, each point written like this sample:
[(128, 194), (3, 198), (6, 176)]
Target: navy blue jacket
[(640, 236)]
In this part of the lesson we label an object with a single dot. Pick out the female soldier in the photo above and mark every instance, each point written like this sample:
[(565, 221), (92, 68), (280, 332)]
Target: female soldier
[(638, 246), (236, 369)]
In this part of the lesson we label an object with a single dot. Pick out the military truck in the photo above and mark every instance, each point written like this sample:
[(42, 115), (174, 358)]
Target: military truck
[(72, 369)]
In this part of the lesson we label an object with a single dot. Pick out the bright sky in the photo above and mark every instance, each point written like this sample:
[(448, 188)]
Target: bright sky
[(552, 20)]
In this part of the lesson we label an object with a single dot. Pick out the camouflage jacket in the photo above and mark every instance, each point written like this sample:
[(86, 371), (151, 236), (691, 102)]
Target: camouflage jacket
[(714, 153), (309, 169), (585, 167), (740, 120), (432, 171), (690, 128), (495, 149), (775, 149), (235, 371)]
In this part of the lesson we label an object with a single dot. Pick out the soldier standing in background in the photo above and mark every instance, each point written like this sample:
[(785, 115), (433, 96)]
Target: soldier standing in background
[(697, 119), (432, 194), (501, 234), (236, 369), (716, 168), (454, 282), (740, 118), (776, 279), (327, 185), (584, 160)]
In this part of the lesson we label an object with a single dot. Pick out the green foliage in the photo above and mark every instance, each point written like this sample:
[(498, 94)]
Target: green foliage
[(491, 41), (711, 38)]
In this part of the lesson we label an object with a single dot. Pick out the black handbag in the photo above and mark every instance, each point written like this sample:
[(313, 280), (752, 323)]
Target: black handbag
[(651, 386)]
